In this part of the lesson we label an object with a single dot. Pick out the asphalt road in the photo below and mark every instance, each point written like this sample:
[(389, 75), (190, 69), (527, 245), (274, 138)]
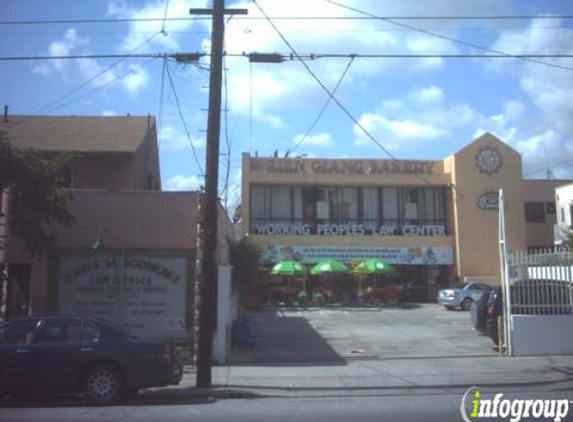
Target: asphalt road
[(411, 408), (335, 334)]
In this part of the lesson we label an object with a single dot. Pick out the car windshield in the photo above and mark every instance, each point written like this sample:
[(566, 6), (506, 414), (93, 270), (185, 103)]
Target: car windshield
[(118, 329)]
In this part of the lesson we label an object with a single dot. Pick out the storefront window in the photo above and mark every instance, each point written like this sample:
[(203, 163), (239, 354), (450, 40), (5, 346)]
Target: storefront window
[(366, 211), (370, 205)]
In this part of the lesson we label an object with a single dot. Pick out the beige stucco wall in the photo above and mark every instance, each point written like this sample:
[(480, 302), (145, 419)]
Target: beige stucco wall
[(541, 234), (477, 230)]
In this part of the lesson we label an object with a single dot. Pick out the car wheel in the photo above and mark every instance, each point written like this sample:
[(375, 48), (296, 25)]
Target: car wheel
[(102, 384), (466, 304)]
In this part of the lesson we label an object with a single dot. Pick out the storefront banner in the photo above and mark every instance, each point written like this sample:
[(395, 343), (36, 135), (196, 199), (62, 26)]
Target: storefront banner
[(401, 255), (142, 292), (279, 229)]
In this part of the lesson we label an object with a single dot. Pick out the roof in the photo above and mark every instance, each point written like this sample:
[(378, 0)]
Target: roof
[(86, 134)]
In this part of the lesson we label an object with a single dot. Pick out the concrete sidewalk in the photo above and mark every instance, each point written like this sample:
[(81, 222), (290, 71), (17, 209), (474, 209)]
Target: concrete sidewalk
[(382, 377)]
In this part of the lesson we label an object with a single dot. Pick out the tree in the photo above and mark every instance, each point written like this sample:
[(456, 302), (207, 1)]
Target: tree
[(37, 202), (245, 255)]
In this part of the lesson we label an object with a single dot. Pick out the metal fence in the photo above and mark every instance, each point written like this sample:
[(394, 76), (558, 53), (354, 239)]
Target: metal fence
[(540, 283)]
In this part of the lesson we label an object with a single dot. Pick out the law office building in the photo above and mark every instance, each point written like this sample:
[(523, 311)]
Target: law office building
[(435, 221)]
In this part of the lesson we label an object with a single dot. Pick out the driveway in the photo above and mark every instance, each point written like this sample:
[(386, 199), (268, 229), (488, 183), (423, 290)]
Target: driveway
[(335, 334)]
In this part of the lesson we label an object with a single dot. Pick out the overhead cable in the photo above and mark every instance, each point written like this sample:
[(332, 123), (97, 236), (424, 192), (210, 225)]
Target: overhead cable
[(443, 37), (202, 173)]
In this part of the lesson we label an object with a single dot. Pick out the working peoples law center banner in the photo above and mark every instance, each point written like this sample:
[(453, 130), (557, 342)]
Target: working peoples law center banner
[(405, 255), (142, 292)]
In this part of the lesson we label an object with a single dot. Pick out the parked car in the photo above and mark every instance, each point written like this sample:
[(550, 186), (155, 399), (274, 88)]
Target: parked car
[(462, 296), (414, 291), (528, 297), (70, 354), (484, 313)]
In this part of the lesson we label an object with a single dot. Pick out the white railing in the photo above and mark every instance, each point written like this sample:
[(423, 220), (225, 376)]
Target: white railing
[(541, 283)]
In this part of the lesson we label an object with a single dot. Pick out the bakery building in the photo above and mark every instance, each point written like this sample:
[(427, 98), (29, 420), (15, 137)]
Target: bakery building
[(434, 221)]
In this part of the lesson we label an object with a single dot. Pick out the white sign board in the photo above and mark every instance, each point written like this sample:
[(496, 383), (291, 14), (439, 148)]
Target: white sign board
[(404, 255), (145, 293)]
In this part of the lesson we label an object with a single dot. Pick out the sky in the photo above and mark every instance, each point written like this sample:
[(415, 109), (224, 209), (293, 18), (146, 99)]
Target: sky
[(411, 108)]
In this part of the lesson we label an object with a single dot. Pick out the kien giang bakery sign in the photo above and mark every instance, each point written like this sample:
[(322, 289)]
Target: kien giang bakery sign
[(143, 292), (350, 167), (273, 229)]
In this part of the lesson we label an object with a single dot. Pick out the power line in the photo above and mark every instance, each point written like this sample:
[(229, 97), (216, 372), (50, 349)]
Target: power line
[(303, 18), (78, 88), (550, 166), (99, 88), (443, 37), (285, 57), (331, 95), (328, 101), (202, 173), (301, 31)]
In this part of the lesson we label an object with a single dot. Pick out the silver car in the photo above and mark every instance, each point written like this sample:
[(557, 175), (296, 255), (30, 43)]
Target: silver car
[(462, 296)]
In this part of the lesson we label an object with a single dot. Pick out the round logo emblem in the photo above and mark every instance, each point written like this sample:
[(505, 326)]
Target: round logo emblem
[(488, 160)]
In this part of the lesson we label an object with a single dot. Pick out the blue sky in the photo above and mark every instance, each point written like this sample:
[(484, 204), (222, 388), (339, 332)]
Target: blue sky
[(417, 108)]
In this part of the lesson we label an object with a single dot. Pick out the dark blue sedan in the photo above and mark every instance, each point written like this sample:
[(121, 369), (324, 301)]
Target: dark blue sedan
[(81, 354)]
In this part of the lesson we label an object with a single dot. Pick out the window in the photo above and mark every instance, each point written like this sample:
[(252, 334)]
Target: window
[(18, 332), (89, 332), (59, 331), (390, 205), (535, 212), (370, 205), (550, 208)]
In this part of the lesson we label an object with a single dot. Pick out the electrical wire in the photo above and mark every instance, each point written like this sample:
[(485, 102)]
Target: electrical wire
[(443, 37), (81, 86), (251, 18), (550, 166), (161, 96), (304, 56), (100, 87), (165, 18), (326, 104), (331, 95), (202, 173), (228, 141)]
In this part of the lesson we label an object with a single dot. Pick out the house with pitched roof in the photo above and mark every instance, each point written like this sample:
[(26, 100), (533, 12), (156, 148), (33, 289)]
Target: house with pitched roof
[(130, 256)]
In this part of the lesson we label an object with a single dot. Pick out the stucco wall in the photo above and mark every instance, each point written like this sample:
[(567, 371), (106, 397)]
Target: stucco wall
[(105, 171), (536, 335), (477, 230)]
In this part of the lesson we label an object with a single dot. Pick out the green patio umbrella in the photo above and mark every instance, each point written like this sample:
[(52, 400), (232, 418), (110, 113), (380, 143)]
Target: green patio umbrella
[(371, 266), (288, 268), (328, 266)]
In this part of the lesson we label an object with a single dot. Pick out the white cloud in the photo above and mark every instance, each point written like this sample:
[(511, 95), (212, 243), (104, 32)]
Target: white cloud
[(323, 140), (427, 95), (132, 78), (63, 47), (184, 183), (136, 78), (542, 132), (146, 32), (108, 113), (172, 138), (423, 115), (392, 133)]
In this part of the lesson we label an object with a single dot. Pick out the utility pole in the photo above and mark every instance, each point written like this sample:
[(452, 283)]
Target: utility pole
[(209, 206)]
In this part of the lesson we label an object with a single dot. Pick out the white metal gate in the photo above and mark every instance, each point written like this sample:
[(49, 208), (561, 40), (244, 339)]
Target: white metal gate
[(537, 291)]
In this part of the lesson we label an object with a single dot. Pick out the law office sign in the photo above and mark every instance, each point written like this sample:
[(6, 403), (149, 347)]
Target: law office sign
[(401, 255), (142, 292)]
